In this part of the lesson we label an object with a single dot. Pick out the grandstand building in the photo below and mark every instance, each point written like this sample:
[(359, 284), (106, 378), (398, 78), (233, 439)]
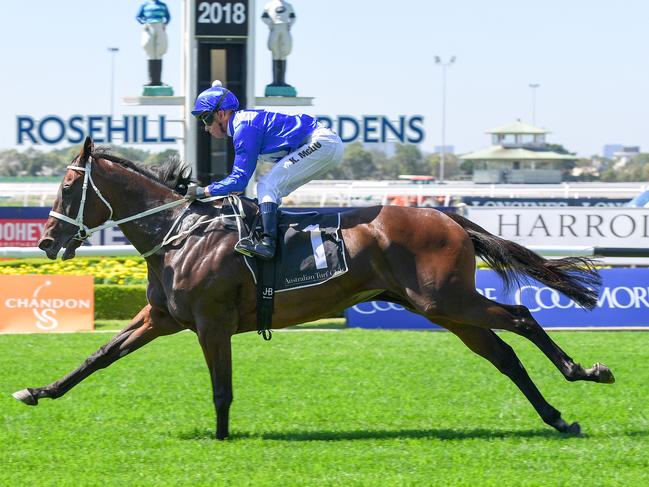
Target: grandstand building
[(519, 154)]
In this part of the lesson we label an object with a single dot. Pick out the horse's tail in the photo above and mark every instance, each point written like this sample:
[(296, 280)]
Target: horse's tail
[(576, 277)]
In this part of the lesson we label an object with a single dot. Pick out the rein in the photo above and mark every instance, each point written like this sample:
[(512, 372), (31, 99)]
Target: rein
[(84, 232)]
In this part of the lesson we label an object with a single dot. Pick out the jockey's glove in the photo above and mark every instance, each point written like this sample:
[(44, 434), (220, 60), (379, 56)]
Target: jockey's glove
[(194, 191)]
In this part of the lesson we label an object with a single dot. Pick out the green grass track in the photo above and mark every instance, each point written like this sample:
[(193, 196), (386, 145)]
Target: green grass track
[(345, 407)]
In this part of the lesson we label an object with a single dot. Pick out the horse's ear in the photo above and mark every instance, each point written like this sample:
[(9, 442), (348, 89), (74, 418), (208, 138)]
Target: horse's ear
[(88, 147)]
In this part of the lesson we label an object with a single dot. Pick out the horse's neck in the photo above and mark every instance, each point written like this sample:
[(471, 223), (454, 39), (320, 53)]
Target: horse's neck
[(129, 193)]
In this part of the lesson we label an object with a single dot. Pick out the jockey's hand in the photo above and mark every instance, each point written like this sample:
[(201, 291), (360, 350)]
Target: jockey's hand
[(194, 191)]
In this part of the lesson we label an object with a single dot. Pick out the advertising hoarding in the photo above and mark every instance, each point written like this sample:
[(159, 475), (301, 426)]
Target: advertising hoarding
[(623, 302), (23, 227), (604, 227), (487, 201), (46, 303)]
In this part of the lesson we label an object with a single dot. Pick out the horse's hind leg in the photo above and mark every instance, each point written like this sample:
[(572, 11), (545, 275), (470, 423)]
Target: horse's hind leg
[(485, 313), (488, 345), (149, 324), (528, 327)]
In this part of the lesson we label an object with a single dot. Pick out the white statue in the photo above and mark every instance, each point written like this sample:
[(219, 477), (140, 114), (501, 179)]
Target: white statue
[(279, 16), (154, 17)]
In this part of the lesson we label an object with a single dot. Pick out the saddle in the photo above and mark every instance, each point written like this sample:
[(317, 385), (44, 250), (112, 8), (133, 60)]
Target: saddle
[(310, 251)]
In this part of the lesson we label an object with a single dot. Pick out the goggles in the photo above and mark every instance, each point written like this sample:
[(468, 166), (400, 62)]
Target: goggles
[(208, 117)]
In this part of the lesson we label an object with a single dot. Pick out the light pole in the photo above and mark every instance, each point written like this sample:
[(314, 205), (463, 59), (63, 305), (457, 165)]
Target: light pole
[(534, 86), (444, 65), (113, 51)]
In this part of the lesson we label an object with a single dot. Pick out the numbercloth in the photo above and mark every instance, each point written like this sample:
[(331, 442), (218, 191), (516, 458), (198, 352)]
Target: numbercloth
[(310, 250)]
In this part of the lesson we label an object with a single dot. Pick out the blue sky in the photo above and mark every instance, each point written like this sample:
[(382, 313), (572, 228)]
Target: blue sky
[(591, 58)]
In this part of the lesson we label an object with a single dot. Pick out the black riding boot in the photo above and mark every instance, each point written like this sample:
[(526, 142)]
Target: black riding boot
[(156, 78), (281, 68), (151, 69), (276, 72), (265, 248)]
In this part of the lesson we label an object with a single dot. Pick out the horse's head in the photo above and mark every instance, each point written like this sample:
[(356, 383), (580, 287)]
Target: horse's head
[(77, 207)]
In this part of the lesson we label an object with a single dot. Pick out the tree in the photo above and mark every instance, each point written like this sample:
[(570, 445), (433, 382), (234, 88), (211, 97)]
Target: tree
[(10, 165), (467, 166), (357, 163), (409, 160), (385, 166), (33, 161), (637, 169), (452, 166), (362, 162), (161, 157), (559, 149)]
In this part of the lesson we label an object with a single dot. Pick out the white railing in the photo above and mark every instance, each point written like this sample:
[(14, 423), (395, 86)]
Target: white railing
[(360, 193), (86, 251), (614, 255)]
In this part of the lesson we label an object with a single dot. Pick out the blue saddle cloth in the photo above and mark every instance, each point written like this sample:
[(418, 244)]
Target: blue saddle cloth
[(310, 248)]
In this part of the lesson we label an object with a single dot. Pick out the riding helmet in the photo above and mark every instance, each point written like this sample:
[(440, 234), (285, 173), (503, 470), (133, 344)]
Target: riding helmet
[(215, 98)]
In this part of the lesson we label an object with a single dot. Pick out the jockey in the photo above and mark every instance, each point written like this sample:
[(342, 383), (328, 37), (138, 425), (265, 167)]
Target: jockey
[(300, 147)]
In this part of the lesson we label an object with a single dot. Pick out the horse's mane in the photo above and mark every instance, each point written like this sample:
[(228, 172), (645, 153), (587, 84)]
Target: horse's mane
[(173, 173)]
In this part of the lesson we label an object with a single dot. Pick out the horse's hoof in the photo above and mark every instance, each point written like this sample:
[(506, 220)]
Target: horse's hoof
[(604, 374), (25, 396), (574, 429), (564, 428)]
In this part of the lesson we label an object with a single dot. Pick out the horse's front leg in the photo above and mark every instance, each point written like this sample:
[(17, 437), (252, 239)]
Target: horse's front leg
[(217, 349), (149, 324)]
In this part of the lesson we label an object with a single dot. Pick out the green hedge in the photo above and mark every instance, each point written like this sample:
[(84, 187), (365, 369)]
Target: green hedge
[(118, 302), (120, 289)]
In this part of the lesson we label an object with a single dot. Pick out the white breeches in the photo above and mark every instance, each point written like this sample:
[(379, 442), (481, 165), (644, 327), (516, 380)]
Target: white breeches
[(154, 40), (322, 151), (279, 41)]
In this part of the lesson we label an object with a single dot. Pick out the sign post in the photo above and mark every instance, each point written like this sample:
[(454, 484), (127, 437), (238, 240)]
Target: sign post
[(217, 45)]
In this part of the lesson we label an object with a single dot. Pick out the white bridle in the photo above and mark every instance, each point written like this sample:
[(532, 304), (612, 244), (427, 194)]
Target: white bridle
[(84, 232)]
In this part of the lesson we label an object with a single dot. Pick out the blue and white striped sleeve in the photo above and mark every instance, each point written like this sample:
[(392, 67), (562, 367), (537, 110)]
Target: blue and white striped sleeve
[(140, 15)]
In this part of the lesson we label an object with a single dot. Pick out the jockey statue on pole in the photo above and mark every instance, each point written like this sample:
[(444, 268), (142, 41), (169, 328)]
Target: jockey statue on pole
[(279, 16), (154, 16)]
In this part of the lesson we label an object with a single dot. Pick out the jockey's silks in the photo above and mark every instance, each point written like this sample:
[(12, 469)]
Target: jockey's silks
[(261, 135)]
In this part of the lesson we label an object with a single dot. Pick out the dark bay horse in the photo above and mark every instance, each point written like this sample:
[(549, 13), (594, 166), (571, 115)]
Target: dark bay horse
[(419, 258)]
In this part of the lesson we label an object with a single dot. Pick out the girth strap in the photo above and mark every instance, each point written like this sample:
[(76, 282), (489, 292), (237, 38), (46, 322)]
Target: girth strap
[(265, 297)]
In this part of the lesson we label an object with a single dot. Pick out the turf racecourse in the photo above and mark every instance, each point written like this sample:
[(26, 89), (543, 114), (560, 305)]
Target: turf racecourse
[(323, 408)]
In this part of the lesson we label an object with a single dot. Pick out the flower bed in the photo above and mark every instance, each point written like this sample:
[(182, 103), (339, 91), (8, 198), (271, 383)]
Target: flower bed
[(106, 270)]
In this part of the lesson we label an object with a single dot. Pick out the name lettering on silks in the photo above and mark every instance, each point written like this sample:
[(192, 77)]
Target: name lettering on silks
[(306, 152), (309, 150)]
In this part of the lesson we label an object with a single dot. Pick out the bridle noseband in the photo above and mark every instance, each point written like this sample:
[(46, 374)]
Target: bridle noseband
[(84, 232)]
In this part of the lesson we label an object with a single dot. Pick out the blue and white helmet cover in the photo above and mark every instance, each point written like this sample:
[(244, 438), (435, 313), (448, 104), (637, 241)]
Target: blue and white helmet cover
[(208, 99)]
